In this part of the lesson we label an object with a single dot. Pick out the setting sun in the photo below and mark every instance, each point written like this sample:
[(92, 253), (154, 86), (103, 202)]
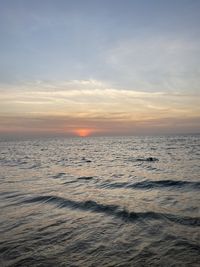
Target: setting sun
[(83, 132)]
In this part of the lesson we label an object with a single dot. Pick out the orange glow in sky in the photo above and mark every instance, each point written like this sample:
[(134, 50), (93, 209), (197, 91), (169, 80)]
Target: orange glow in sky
[(83, 132)]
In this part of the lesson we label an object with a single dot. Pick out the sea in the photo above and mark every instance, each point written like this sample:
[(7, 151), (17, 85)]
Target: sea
[(100, 201)]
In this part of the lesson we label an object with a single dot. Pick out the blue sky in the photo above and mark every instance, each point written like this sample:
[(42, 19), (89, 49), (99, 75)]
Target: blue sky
[(140, 46)]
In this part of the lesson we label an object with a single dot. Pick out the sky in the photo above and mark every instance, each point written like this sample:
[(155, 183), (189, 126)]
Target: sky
[(99, 67)]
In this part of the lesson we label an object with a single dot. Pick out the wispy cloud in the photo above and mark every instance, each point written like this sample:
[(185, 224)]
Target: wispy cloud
[(64, 106), (93, 97), (149, 63)]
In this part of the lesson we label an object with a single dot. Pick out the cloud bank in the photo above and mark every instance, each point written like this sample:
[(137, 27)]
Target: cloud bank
[(51, 108)]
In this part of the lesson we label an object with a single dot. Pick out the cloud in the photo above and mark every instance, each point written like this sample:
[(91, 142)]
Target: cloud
[(90, 96), (61, 107), (149, 63), (68, 125)]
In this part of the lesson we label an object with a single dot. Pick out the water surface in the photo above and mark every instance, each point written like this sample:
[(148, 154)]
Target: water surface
[(125, 201)]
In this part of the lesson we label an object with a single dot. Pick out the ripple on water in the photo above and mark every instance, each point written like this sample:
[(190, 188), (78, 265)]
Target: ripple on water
[(123, 201)]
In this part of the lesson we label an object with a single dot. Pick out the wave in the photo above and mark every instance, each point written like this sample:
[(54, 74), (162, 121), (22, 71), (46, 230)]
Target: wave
[(59, 175), (114, 210), (149, 184), (85, 178), (149, 159), (86, 160)]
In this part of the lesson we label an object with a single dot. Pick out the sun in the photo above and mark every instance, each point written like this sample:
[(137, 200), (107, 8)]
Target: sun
[(83, 132)]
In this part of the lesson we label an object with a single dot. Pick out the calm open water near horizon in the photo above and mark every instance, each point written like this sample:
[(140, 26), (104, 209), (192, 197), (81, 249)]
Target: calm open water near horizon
[(121, 201)]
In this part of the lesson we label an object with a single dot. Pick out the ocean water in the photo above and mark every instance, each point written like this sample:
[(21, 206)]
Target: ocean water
[(122, 201)]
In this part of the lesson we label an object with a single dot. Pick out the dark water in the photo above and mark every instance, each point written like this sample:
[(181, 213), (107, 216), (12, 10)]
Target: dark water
[(100, 202)]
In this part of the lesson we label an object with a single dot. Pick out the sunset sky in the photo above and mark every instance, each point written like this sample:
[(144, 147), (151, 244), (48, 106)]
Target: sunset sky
[(99, 67)]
